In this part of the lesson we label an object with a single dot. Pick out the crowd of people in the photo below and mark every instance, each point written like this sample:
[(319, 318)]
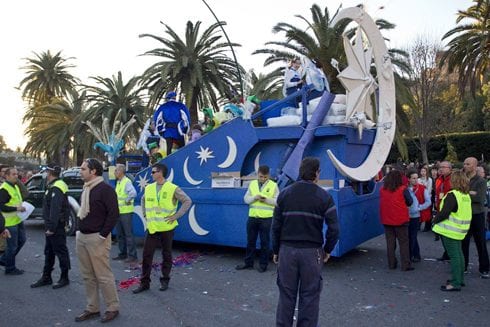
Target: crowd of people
[(292, 220), (452, 203)]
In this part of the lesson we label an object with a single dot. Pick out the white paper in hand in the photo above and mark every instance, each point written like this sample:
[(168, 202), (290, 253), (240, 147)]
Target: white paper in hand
[(29, 209)]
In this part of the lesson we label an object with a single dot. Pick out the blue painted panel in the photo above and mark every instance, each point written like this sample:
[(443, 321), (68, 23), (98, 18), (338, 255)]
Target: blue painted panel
[(219, 216)]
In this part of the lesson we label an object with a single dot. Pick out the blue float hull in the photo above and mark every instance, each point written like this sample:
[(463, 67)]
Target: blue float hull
[(218, 215)]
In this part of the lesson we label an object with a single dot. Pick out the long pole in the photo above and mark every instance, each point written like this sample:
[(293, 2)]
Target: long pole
[(231, 47)]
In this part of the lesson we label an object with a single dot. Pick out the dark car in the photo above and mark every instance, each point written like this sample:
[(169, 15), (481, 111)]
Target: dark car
[(37, 189)]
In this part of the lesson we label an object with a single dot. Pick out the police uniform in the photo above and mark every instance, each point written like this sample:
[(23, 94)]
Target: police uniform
[(56, 212)]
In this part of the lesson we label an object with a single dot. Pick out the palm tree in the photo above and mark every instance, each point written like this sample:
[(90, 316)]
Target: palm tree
[(323, 43), (265, 86), (468, 51), (59, 130), (47, 78), (198, 66), (115, 97)]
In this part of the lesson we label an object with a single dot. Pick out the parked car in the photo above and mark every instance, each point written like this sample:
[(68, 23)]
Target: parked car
[(37, 189)]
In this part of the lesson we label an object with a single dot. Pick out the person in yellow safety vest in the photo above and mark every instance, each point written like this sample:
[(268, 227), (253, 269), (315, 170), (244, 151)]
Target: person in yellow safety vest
[(56, 212), (261, 197), (125, 196), (452, 223), (160, 202), (10, 206)]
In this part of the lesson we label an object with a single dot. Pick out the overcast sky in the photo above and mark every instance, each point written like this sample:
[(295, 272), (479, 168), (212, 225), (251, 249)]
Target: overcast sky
[(103, 37)]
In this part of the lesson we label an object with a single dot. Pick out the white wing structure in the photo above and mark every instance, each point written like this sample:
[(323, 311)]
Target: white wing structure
[(360, 85)]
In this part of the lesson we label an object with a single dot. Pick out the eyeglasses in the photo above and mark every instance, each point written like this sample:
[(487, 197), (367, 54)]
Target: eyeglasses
[(154, 172)]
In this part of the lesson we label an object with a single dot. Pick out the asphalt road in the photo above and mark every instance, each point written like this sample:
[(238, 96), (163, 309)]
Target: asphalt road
[(359, 290)]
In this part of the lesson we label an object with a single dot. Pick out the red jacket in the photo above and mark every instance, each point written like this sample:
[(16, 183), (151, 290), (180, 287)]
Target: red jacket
[(443, 185), (392, 209)]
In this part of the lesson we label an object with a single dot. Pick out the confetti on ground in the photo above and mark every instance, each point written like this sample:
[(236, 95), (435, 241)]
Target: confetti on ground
[(127, 283), (185, 259)]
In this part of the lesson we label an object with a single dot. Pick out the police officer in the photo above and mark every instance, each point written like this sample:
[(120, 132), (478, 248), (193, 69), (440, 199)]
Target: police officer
[(261, 197), (160, 202), (56, 211)]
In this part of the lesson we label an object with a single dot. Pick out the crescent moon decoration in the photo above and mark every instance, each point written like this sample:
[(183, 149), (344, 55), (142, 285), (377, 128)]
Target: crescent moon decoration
[(187, 176), (257, 162), (170, 177), (194, 225), (361, 90), (230, 159), (138, 210)]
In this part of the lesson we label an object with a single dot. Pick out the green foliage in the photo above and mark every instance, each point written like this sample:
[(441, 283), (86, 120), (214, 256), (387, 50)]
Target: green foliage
[(468, 51), (198, 66), (451, 156), (453, 147), (3, 145)]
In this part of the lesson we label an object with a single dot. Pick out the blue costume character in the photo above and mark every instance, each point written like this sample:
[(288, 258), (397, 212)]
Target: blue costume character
[(172, 120)]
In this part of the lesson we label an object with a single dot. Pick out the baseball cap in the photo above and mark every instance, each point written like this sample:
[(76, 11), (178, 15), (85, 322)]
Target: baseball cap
[(152, 145)]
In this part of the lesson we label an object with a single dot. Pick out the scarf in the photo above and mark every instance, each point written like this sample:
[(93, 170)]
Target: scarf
[(85, 198)]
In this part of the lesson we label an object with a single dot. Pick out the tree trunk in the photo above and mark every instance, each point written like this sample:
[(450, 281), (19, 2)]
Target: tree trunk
[(423, 149)]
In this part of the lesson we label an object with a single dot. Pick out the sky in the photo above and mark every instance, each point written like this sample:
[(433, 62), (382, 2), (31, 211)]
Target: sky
[(103, 35)]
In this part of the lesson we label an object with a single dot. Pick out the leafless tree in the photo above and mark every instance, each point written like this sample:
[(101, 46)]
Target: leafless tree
[(424, 84)]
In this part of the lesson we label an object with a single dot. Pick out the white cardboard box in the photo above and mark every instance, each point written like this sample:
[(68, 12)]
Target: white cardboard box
[(225, 179)]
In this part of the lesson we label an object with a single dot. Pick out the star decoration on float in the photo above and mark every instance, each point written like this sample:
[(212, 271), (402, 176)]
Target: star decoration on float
[(204, 154), (357, 78), (142, 181)]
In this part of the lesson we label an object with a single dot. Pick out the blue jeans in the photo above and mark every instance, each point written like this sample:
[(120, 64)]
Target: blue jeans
[(413, 243), (125, 237), (14, 244), (258, 227)]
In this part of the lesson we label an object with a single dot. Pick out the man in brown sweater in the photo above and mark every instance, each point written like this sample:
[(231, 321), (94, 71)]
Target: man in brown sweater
[(98, 216)]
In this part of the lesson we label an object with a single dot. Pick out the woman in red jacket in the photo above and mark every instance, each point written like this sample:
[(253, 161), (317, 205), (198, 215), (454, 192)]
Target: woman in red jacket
[(394, 202)]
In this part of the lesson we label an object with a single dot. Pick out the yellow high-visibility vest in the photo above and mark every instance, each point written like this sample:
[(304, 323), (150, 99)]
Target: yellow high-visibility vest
[(12, 218), (122, 196), (61, 185), (458, 223), (160, 205), (259, 209)]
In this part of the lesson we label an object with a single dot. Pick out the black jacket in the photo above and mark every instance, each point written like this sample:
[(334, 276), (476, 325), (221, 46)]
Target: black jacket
[(301, 211), (56, 209), (2, 223)]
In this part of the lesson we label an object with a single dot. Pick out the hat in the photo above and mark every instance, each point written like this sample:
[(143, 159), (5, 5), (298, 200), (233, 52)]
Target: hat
[(170, 95), (253, 99), (152, 145), (208, 112), (54, 168)]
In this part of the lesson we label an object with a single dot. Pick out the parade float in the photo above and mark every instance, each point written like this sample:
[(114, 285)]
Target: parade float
[(352, 144)]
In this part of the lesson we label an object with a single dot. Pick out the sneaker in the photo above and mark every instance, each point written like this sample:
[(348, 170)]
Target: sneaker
[(244, 266), (120, 257), (14, 272), (485, 275)]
